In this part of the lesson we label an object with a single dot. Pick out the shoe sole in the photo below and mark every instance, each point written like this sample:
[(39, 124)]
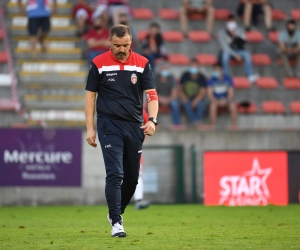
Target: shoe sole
[(117, 235)]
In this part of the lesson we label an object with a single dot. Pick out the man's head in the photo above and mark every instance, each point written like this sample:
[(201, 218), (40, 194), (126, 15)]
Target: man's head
[(193, 69), (231, 24), (217, 70), (123, 19), (154, 29), (98, 23), (120, 39), (165, 70), (291, 26)]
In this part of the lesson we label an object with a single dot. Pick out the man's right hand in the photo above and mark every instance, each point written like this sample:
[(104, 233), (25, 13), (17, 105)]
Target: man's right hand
[(91, 138)]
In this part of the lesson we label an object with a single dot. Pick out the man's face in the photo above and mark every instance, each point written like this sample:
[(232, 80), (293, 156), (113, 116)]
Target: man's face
[(123, 19), (153, 30), (291, 27), (120, 46)]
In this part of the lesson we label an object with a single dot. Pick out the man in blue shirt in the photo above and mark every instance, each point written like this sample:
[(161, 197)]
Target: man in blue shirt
[(38, 13), (220, 93)]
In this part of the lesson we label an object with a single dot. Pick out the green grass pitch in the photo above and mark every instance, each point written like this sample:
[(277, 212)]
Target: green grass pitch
[(158, 227)]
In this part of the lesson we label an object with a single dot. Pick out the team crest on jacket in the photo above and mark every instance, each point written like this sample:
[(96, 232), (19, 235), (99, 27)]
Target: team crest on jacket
[(133, 78)]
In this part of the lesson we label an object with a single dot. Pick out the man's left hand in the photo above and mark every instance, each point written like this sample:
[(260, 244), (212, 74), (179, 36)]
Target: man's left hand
[(149, 128)]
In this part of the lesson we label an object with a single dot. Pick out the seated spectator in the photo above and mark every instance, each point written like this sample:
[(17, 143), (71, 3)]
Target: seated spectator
[(220, 93), (124, 20), (168, 92), (289, 42), (233, 40), (116, 7), (85, 11), (192, 91), (97, 39), (38, 14), (203, 7), (153, 45), (252, 9)]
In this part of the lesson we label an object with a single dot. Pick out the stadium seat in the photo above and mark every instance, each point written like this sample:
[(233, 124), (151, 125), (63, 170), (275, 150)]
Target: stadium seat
[(292, 61), (199, 36), (222, 14), (278, 15), (1, 34), (273, 36), (168, 14), (206, 59), (234, 62), (295, 14), (254, 37), (142, 34), (261, 60), (173, 36), (295, 107), (241, 82), (291, 83), (164, 109), (142, 13), (178, 59), (196, 16), (273, 107), (267, 83), (252, 109), (7, 105), (3, 57)]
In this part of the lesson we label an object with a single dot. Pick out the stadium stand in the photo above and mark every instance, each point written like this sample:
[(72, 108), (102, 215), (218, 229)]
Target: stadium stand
[(51, 87)]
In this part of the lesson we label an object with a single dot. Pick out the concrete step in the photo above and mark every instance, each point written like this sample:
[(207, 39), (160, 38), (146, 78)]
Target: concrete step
[(62, 8), (10, 117), (54, 86), (59, 124), (50, 53)]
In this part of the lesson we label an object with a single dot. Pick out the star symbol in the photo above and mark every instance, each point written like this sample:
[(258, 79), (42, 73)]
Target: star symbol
[(257, 171)]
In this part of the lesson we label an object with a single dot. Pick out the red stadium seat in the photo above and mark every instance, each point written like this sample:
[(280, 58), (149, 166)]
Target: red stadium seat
[(7, 105), (252, 109), (196, 16), (142, 34), (19, 125), (199, 36), (164, 109), (254, 37), (142, 13), (173, 36), (234, 62), (291, 83), (168, 14), (292, 61), (241, 82), (222, 14), (206, 59), (273, 107), (267, 83), (3, 57), (278, 15), (295, 14), (261, 60), (178, 59), (295, 107), (1, 34), (273, 36)]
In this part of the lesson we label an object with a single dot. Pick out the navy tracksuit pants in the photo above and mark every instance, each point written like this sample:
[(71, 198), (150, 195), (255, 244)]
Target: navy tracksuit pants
[(121, 144)]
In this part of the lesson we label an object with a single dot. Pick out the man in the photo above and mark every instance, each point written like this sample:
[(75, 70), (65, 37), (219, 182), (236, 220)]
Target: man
[(252, 9), (233, 40), (289, 46), (123, 18), (168, 92), (97, 39), (120, 77), (220, 93), (154, 45), (38, 13), (192, 91), (190, 7)]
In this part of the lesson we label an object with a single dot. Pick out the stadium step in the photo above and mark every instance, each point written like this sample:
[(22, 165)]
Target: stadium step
[(61, 25)]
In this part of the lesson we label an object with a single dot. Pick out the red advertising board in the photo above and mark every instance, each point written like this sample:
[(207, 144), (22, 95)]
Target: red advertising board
[(245, 178)]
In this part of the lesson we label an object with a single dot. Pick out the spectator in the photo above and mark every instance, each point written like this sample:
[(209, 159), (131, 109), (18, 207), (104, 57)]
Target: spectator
[(289, 42), (168, 92), (252, 9), (233, 40), (203, 7), (220, 93), (124, 20), (153, 45), (116, 7), (192, 92), (87, 10), (38, 13), (97, 39)]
